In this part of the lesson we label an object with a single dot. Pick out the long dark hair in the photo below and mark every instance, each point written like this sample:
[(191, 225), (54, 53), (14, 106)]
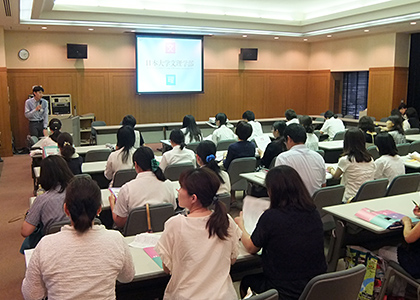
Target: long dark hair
[(397, 121), (65, 143), (83, 200), (222, 118), (177, 136), (206, 150), (55, 126), (125, 141), (386, 144), (54, 172), (306, 122), (287, 190), (366, 124), (191, 127), (145, 159), (204, 184), (355, 145)]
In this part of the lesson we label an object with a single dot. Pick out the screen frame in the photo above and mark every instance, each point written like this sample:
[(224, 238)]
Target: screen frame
[(170, 36)]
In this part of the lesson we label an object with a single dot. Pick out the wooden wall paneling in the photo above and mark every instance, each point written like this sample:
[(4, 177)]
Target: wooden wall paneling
[(254, 98), (297, 92), (5, 129), (204, 105), (319, 92), (276, 96), (122, 96), (400, 86), (380, 92), (230, 100), (60, 82), (178, 106)]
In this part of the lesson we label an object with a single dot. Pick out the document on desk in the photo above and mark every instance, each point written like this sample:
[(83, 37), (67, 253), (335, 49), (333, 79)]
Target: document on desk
[(252, 209), (262, 141), (386, 219), (144, 240)]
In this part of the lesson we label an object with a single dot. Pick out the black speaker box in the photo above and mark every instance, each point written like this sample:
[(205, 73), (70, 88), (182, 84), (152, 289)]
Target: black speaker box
[(249, 54), (77, 51)]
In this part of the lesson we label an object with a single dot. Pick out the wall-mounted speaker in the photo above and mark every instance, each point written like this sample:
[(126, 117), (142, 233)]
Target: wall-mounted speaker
[(249, 54), (77, 51)]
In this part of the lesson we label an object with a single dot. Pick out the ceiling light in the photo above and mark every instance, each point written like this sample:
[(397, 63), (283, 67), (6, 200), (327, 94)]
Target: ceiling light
[(44, 28), (133, 30), (276, 37), (244, 36), (90, 29), (413, 23), (366, 30), (305, 40), (328, 36)]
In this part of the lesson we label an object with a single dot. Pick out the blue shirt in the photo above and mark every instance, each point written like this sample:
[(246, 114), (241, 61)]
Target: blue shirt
[(37, 115)]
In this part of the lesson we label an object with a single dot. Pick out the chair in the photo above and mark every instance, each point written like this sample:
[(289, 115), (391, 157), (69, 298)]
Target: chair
[(273, 162), (56, 227), (123, 176), (384, 119), (267, 295), (414, 147), (320, 152), (327, 196), (349, 117), (225, 198), (31, 140), (339, 136), (317, 133), (373, 150), (402, 184), (172, 172), (224, 144), (93, 131), (343, 285), (403, 149), (339, 115), (97, 155), (83, 175), (193, 146), (137, 219), (394, 269), (412, 131), (371, 189), (238, 166), (373, 119)]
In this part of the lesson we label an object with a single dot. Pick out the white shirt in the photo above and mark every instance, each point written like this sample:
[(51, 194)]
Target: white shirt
[(311, 141), (224, 187), (137, 140), (145, 188), (177, 156), (115, 163), (188, 138), (332, 126), (222, 133), (256, 130), (388, 166), (199, 265), (406, 125), (309, 164), (354, 175), (293, 121), (398, 137), (69, 265)]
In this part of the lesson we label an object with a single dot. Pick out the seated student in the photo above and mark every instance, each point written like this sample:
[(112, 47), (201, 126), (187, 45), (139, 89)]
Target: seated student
[(198, 249), (65, 265), (206, 157), (67, 151), (394, 128), (332, 125), (47, 207), (368, 127), (402, 109), (129, 120), (356, 164), (412, 120), (242, 148), (291, 235), (390, 164), (191, 130), (149, 186), (51, 140), (291, 117), (249, 117), (275, 147), (222, 132), (122, 157), (179, 154), (311, 138)]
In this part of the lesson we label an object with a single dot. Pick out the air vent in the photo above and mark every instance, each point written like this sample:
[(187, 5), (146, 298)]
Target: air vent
[(7, 9)]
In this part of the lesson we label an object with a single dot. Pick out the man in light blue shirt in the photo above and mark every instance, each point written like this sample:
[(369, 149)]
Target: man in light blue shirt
[(36, 111)]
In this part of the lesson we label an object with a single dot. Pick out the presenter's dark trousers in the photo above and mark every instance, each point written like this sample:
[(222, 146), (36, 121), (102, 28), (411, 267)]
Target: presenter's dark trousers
[(36, 128)]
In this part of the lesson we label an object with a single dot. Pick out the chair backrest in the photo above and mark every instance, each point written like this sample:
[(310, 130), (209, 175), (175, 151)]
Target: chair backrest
[(224, 144), (238, 166), (373, 119), (402, 184), (317, 133), (384, 119), (267, 295), (339, 136), (414, 147), (373, 150), (371, 189), (403, 148), (320, 152), (327, 196), (83, 175), (349, 116), (339, 115), (56, 227), (411, 131), (97, 155), (31, 140), (273, 162), (123, 176), (225, 198), (93, 131), (343, 285), (172, 172), (137, 219), (193, 146)]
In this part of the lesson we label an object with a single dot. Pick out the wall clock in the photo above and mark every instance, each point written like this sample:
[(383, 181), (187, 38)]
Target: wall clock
[(23, 54)]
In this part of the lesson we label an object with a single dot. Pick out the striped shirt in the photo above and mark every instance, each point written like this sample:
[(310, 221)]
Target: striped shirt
[(37, 115)]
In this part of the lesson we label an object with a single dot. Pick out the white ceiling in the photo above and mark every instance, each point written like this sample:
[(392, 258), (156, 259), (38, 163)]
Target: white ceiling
[(258, 19)]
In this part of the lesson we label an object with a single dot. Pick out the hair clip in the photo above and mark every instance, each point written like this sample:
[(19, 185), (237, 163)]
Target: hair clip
[(155, 164), (210, 157), (215, 199)]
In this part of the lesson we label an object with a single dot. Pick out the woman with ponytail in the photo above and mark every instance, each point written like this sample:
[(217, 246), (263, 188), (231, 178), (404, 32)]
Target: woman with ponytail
[(122, 158), (65, 265), (179, 154), (67, 151), (206, 157), (198, 249), (149, 186)]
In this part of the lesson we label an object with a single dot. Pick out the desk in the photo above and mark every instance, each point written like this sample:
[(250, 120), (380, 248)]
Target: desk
[(412, 137), (96, 171), (333, 150), (345, 213), (411, 163)]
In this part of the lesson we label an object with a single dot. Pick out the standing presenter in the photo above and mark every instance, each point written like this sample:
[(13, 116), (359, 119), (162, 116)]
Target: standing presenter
[(36, 111)]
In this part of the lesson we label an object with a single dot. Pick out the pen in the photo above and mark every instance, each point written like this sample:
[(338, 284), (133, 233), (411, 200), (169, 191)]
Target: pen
[(415, 203)]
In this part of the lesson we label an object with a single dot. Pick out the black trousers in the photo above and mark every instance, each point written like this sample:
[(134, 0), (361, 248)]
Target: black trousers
[(36, 128)]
